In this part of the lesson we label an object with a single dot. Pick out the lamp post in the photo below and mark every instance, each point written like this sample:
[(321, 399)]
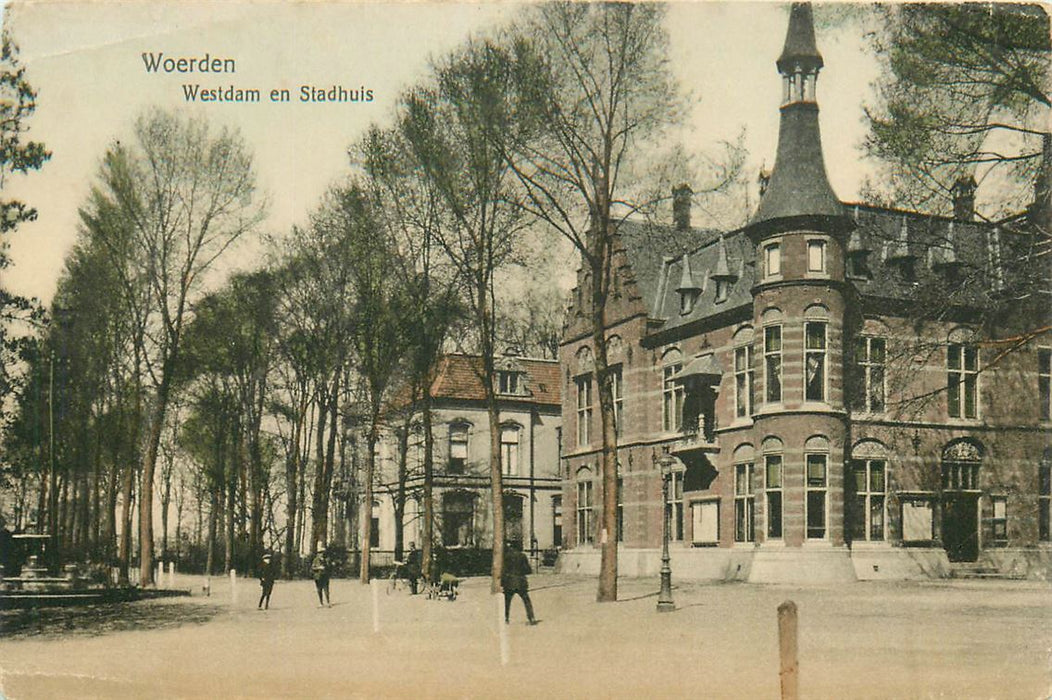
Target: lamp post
[(664, 603)]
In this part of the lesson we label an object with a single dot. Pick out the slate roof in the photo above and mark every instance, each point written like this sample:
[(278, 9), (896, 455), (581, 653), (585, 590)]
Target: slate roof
[(647, 244), (458, 378), (931, 242)]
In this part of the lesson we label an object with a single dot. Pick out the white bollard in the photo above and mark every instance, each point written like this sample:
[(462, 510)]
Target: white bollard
[(157, 582), (208, 586), (233, 586), (171, 574), (375, 586), (505, 646)]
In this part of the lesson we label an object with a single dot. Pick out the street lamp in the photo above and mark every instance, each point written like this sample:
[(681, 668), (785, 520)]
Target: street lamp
[(664, 603)]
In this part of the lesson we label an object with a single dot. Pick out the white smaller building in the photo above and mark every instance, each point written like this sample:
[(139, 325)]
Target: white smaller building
[(529, 401)]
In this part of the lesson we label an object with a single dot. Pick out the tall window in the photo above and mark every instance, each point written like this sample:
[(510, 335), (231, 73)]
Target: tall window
[(960, 467), (584, 409), (458, 515), (458, 447), (999, 521), (772, 363), (674, 507), (743, 381), (743, 502), (509, 449), (869, 362), (374, 529), (772, 260), (617, 389), (620, 510), (962, 380), (869, 488), (773, 495), (815, 361), (584, 511), (672, 400), (1044, 381), (1044, 500), (817, 484), (557, 521), (816, 256)]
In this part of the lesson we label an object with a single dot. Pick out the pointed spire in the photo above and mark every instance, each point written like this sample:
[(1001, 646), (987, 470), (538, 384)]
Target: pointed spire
[(800, 49), (686, 280), (722, 271), (799, 185)]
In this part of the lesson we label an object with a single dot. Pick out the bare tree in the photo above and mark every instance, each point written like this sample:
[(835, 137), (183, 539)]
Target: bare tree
[(187, 195)]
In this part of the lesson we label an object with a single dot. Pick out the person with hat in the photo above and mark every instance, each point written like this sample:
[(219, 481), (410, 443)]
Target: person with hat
[(513, 580), (267, 575)]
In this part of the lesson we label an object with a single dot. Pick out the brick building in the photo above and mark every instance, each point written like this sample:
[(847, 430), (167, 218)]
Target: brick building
[(529, 404), (827, 421)]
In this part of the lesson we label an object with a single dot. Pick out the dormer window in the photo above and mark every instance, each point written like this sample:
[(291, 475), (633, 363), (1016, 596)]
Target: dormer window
[(509, 382), (858, 265), (722, 289), (687, 299)]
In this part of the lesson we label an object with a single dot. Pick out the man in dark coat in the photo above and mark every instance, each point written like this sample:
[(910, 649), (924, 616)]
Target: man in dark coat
[(321, 570), (513, 580), (414, 562), (266, 580)]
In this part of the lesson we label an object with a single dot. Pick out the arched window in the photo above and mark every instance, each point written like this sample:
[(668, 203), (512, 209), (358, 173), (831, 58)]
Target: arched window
[(867, 492), (374, 528), (744, 493), (509, 448), (672, 392), (962, 374), (743, 372), (960, 466), (816, 485), (585, 505), (772, 486), (458, 446)]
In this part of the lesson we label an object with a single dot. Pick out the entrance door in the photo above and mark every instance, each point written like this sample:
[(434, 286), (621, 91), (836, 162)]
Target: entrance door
[(960, 526), (513, 530)]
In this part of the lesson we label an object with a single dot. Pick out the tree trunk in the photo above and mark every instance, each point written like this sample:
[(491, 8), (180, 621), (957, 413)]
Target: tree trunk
[(367, 503), (400, 493), (124, 552), (429, 479), (213, 526), (153, 441)]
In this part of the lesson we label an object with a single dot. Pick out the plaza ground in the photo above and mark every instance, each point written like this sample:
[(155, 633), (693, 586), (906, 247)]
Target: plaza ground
[(939, 639)]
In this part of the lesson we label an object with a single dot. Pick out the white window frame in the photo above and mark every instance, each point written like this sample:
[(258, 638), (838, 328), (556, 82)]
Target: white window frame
[(772, 260), (867, 366), (770, 458), (770, 355), (816, 255), (585, 506), (962, 382), (818, 355), (674, 507), (744, 502), (744, 376), (867, 496), (510, 449), (583, 382), (618, 391), (458, 429), (672, 394), (822, 488)]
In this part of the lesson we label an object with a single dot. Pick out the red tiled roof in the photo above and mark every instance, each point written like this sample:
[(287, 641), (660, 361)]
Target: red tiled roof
[(458, 377)]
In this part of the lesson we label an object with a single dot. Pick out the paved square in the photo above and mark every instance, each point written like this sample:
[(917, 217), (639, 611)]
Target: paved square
[(983, 639)]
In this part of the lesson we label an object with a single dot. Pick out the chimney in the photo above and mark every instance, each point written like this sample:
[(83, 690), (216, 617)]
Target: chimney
[(681, 207), (963, 193)]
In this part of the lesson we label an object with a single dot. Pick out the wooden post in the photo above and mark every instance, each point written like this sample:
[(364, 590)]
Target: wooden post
[(375, 586), (233, 586), (171, 574), (502, 627), (790, 667)]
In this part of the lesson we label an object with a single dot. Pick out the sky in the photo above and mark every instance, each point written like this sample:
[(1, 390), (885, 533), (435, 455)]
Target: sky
[(85, 59)]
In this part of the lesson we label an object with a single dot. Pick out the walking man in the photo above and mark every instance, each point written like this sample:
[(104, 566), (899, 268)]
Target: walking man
[(266, 581), (321, 569), (513, 580)]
